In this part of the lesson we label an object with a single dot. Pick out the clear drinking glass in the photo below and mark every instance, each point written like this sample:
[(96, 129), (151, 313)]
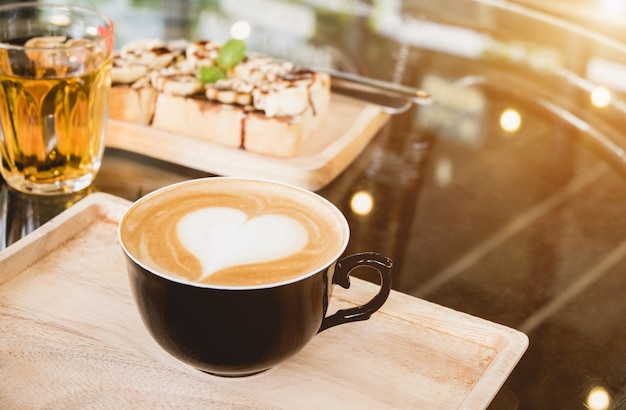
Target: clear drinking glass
[(55, 63)]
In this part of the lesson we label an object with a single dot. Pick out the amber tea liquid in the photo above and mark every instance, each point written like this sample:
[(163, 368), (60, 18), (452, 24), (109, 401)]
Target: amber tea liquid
[(53, 128), (54, 91)]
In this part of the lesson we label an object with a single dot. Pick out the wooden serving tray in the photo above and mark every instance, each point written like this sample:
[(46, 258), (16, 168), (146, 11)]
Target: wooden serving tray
[(338, 140), (71, 337)]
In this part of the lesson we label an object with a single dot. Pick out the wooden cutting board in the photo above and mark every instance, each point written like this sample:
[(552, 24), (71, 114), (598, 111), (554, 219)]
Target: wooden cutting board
[(338, 140), (71, 338)]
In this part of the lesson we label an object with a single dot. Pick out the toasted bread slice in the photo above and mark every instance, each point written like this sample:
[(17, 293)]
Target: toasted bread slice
[(130, 104), (199, 118), (231, 126), (264, 106), (277, 136)]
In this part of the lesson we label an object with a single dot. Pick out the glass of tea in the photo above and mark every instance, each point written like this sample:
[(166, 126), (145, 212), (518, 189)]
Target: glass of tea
[(55, 63)]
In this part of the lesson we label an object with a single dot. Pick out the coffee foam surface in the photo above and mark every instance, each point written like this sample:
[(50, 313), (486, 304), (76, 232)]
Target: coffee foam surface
[(224, 237), (231, 232)]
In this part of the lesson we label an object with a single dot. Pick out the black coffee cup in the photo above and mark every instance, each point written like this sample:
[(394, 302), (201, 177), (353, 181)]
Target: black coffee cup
[(240, 330)]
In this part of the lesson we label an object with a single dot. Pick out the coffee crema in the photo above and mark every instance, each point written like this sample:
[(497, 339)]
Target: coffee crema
[(233, 232)]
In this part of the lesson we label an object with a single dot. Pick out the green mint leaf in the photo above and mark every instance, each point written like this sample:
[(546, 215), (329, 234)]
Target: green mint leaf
[(210, 74), (231, 53)]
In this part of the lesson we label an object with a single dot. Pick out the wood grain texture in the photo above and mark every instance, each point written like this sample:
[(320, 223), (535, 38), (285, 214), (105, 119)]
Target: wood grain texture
[(339, 139), (71, 338)]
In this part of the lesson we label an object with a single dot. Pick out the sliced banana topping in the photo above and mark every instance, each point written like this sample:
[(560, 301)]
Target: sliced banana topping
[(179, 84), (276, 88), (202, 53), (231, 91), (124, 73), (155, 54), (257, 83), (177, 79), (260, 68), (139, 58)]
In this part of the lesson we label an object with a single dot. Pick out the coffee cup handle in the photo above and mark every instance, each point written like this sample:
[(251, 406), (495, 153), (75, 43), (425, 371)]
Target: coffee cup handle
[(341, 277)]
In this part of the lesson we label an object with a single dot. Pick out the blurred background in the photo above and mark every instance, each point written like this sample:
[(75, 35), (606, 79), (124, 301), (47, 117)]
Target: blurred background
[(603, 16)]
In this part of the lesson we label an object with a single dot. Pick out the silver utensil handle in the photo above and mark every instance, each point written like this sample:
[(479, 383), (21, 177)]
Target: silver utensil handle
[(416, 95)]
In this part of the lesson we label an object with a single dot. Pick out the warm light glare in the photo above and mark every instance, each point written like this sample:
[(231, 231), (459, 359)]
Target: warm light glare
[(600, 97), (59, 20), (598, 399), (614, 6), (444, 171), (510, 120), (362, 203), (240, 30), (92, 31)]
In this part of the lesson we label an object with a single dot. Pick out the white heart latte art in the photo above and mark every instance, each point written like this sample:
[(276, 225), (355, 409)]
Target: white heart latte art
[(224, 237)]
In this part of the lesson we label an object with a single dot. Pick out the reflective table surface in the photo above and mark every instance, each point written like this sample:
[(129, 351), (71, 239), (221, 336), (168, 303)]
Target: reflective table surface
[(505, 198)]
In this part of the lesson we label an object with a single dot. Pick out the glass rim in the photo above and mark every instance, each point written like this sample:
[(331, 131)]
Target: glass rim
[(102, 35)]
